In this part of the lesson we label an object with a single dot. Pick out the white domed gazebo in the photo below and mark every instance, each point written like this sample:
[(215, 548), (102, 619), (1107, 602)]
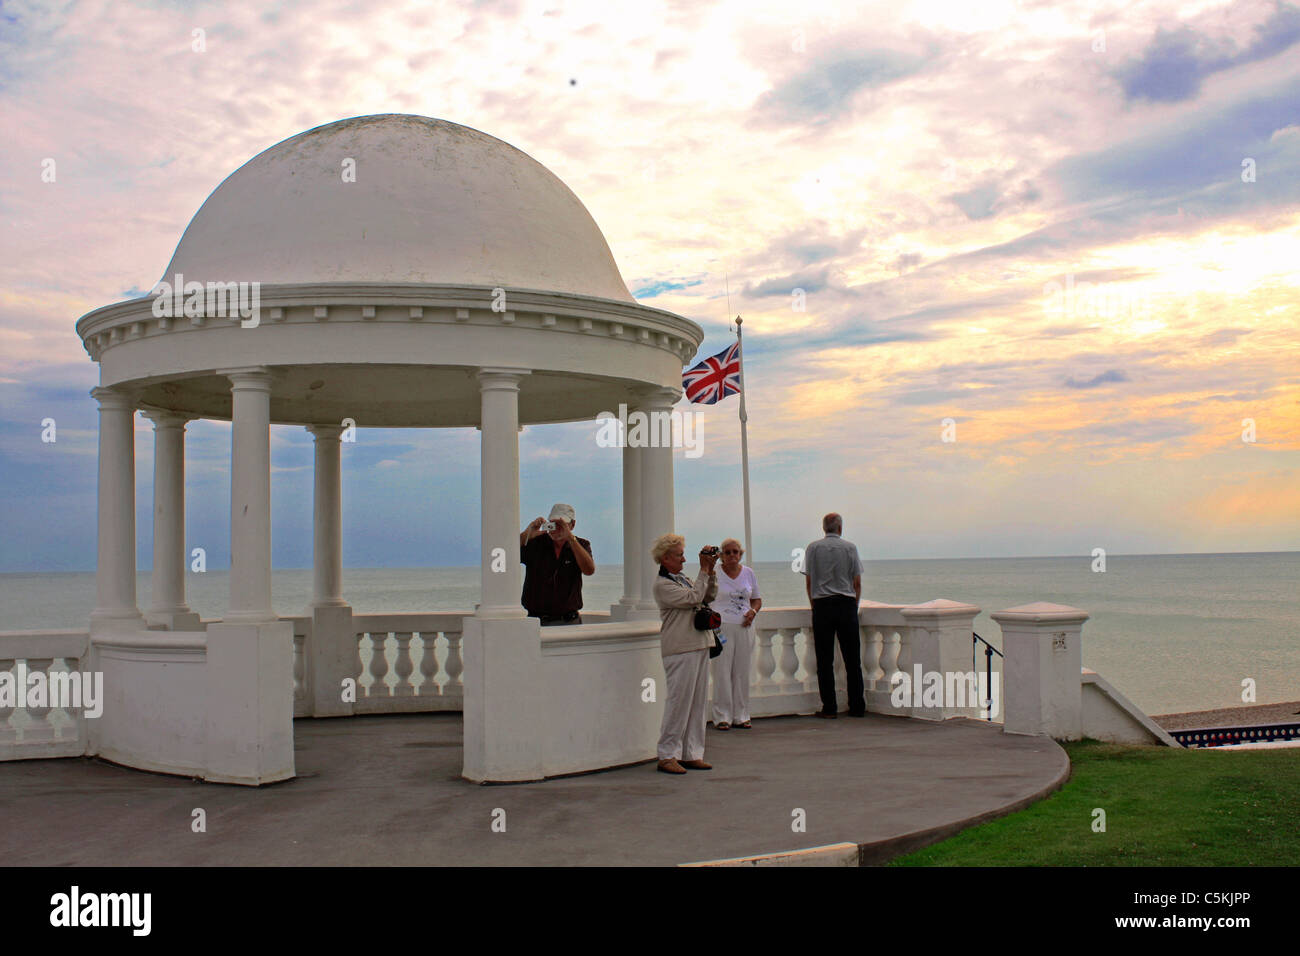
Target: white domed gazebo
[(392, 271)]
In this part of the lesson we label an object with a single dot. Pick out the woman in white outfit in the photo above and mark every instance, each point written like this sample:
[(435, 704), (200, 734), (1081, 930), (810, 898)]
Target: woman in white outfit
[(738, 602), (685, 652)]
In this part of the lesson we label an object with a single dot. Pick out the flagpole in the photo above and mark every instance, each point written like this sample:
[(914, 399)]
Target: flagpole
[(744, 439)]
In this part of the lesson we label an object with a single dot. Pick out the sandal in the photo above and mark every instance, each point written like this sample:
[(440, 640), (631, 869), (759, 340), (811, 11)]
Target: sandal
[(722, 726), (744, 725)]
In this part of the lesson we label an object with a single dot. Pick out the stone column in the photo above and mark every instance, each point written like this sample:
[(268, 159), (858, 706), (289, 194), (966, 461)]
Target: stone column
[(656, 486), (249, 659), (250, 496), (503, 718), (635, 553), (115, 599), (168, 605), (1042, 668), (327, 550), (499, 392), (332, 647)]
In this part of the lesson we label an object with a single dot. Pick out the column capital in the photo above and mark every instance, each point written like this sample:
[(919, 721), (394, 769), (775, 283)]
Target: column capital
[(325, 432), (650, 396), (491, 377), (165, 417), (117, 399), (251, 377)]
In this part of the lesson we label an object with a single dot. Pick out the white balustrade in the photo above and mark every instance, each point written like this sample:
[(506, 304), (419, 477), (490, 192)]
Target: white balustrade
[(414, 649), (49, 727), (785, 670)]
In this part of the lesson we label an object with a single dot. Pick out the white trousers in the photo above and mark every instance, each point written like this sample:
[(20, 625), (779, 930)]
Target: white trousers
[(683, 726), (731, 675)]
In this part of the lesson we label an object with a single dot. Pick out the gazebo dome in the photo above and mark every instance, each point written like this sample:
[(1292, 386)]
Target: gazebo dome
[(400, 199)]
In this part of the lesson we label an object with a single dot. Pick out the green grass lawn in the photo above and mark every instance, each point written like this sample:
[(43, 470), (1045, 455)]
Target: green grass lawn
[(1164, 807)]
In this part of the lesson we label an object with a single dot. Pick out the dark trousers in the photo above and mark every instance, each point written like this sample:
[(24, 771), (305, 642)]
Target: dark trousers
[(837, 617)]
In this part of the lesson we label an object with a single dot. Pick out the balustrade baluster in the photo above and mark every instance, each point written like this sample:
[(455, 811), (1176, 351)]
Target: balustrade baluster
[(71, 715), (809, 660), (403, 667), (8, 733), (892, 645), (789, 660), (39, 726), (766, 664), (871, 668), (378, 665), (299, 667), (453, 666), (428, 664), (357, 666)]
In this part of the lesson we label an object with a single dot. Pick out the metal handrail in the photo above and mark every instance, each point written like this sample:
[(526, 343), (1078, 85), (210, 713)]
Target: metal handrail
[(989, 651)]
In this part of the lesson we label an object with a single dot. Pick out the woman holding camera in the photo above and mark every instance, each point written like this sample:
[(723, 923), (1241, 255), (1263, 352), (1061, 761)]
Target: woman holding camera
[(685, 652), (738, 603)]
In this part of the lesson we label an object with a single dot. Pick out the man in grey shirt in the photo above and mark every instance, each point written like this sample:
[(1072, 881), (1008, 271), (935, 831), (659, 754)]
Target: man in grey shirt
[(833, 578)]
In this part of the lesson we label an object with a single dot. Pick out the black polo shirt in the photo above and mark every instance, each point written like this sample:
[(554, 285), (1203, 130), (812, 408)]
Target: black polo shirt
[(552, 585)]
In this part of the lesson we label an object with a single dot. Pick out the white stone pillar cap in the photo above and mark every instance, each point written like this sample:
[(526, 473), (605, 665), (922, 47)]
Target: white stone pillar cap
[(110, 396), (653, 397), (939, 608), (163, 417), (249, 377), (1041, 612), (326, 432)]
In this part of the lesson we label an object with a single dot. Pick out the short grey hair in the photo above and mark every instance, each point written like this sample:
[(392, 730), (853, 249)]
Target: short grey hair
[(665, 543)]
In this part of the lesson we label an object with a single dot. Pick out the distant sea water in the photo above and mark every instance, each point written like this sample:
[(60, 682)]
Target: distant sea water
[(1171, 632)]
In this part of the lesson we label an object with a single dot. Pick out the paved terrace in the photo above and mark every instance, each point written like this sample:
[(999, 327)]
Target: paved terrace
[(386, 790)]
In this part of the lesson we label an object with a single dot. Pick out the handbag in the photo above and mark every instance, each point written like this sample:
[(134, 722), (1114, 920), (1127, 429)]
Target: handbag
[(707, 619)]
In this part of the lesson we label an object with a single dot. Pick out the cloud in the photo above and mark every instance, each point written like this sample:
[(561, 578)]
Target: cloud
[(1176, 61), (1223, 337), (1197, 157), (808, 281), (825, 91), (659, 287), (1113, 375)]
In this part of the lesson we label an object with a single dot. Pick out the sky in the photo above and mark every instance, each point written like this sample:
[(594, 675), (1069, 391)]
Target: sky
[(1017, 278)]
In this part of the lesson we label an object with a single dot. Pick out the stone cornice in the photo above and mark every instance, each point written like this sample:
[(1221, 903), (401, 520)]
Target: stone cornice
[(381, 303)]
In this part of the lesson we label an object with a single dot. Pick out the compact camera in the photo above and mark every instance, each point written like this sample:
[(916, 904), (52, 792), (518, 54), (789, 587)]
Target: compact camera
[(712, 551), (548, 525)]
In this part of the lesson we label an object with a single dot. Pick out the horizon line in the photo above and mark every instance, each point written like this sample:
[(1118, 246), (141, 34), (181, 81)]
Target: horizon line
[(1010, 557)]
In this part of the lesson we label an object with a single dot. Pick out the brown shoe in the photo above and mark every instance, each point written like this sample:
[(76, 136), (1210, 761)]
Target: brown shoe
[(697, 765), (670, 766)]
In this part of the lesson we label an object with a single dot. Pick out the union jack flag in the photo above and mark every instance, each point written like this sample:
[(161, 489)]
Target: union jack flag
[(715, 378)]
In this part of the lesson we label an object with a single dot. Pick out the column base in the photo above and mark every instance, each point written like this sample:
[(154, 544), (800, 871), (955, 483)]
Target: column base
[(179, 619), (250, 703), (125, 619), (500, 613), (331, 659), (504, 734)]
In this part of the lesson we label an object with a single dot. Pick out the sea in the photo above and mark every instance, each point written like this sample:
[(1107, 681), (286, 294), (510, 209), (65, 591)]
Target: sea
[(1172, 632)]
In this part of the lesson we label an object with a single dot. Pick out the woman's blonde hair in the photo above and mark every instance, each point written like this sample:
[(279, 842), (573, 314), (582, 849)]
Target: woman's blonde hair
[(740, 547), (665, 543)]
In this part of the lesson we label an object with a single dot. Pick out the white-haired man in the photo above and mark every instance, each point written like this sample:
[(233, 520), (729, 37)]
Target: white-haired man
[(556, 559)]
